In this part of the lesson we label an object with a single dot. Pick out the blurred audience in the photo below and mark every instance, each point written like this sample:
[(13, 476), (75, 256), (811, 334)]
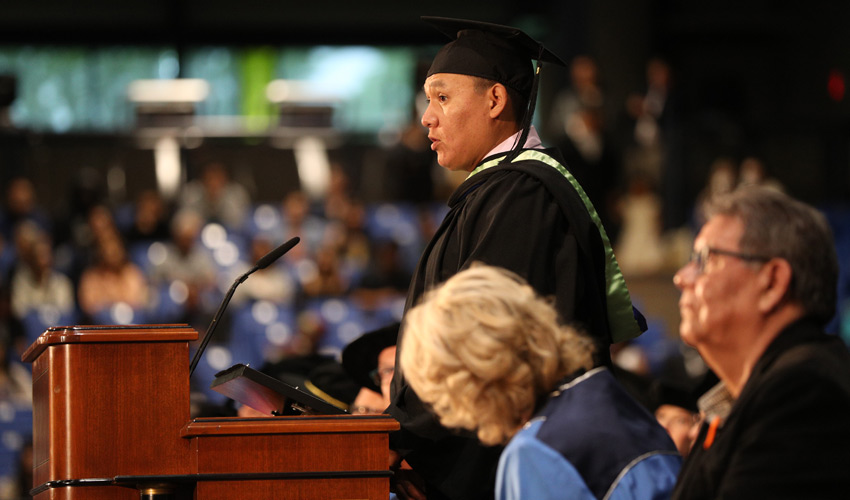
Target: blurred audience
[(298, 220), (273, 283), (726, 175), (15, 378), (655, 145), (184, 266), (20, 204), (583, 91), (150, 220), (386, 276), (325, 278), (25, 470), (111, 279), (216, 197), (409, 167), (580, 130), (639, 247), (338, 196), (752, 172), (722, 179), (347, 234), (37, 287)]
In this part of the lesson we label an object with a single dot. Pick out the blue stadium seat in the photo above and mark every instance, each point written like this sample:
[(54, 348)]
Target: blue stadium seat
[(15, 432)]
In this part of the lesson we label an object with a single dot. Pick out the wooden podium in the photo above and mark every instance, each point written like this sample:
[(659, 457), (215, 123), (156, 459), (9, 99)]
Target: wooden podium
[(111, 421)]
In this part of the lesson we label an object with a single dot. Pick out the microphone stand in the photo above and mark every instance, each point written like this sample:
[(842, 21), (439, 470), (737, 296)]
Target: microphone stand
[(215, 319), (263, 263)]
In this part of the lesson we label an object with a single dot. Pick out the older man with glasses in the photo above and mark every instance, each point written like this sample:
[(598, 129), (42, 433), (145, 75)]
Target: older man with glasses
[(755, 298)]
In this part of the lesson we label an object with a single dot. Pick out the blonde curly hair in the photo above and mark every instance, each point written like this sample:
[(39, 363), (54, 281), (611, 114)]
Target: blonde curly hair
[(483, 347)]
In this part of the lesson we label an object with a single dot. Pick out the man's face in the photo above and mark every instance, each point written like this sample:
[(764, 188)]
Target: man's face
[(458, 121), (386, 369), (678, 422), (721, 300)]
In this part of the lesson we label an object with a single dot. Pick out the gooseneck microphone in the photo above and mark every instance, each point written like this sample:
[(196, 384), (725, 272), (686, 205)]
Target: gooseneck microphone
[(263, 263)]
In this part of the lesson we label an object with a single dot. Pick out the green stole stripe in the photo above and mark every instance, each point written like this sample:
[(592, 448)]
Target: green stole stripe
[(621, 317)]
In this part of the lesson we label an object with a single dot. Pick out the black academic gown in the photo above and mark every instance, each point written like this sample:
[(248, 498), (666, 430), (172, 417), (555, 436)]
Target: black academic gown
[(787, 436), (528, 218)]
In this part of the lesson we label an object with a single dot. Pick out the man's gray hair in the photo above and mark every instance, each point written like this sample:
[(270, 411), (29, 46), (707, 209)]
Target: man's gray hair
[(776, 225)]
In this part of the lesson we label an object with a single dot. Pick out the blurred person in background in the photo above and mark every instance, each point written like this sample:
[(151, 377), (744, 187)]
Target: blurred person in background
[(110, 280), (409, 166), (370, 360), (37, 287), (722, 180), (21, 204), (326, 277), (15, 378), (297, 220), (186, 263), (273, 283), (73, 233), (216, 197), (753, 172), (150, 219), (676, 411), (639, 244), (580, 131), (347, 234), (385, 278), (655, 144)]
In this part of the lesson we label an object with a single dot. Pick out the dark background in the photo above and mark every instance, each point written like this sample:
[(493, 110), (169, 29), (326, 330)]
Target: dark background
[(752, 76)]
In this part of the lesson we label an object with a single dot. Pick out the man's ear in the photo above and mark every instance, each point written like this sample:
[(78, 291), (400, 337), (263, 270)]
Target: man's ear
[(775, 280), (497, 96)]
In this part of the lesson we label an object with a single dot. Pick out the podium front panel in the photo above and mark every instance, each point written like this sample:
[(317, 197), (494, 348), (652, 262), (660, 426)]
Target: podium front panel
[(88, 493), (109, 404), (295, 489), (298, 458)]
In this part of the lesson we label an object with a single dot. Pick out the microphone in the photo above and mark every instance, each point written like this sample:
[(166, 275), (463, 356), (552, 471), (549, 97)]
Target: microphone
[(263, 263), (275, 254)]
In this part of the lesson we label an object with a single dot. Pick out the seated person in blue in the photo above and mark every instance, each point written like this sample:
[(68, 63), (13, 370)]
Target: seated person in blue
[(489, 355)]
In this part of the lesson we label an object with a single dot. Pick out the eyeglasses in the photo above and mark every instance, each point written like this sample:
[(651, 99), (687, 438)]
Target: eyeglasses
[(682, 420), (365, 410), (378, 375), (700, 257)]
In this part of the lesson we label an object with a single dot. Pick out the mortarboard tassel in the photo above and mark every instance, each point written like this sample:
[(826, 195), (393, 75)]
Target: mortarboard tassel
[(525, 124)]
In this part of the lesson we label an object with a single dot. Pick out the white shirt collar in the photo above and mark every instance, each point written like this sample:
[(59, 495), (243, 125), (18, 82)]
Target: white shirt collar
[(531, 142)]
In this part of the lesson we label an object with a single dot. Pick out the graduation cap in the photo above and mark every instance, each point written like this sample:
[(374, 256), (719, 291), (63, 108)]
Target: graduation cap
[(494, 52), (360, 357), (333, 384), (667, 393)]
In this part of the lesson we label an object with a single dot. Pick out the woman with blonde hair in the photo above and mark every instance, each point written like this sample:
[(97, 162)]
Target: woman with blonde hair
[(489, 355)]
